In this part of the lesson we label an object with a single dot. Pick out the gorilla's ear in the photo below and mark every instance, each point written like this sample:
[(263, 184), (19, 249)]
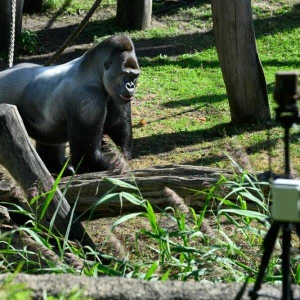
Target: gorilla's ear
[(107, 65)]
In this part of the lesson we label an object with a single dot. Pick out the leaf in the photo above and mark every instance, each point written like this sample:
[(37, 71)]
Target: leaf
[(244, 213), (151, 270), (120, 183), (165, 276), (202, 119), (152, 218), (52, 192), (133, 199), (254, 199), (142, 123), (126, 218)]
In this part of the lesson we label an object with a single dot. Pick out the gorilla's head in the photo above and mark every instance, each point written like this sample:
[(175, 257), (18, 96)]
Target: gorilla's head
[(121, 70)]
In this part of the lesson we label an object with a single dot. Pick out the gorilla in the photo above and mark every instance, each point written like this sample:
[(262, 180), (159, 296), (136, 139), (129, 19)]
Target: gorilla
[(77, 102)]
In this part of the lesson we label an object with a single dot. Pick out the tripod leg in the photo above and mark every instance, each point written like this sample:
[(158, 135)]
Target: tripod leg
[(286, 249), (268, 246)]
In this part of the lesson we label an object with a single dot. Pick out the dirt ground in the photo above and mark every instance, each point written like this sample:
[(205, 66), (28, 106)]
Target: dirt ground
[(53, 29)]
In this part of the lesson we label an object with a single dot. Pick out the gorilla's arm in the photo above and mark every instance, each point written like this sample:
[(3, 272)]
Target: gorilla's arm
[(54, 158), (118, 126), (85, 137)]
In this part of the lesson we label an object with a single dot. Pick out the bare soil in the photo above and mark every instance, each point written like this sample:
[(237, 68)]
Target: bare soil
[(53, 28)]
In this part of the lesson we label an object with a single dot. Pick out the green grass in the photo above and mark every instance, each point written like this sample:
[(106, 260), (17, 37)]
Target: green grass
[(186, 87), (72, 6)]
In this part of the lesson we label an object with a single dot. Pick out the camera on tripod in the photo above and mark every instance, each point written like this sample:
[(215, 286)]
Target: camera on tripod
[(286, 200), (286, 192)]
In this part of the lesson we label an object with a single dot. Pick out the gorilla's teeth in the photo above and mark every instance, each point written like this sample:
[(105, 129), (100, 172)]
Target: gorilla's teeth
[(126, 97)]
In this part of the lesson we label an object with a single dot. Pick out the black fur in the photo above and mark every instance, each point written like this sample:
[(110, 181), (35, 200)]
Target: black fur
[(77, 102)]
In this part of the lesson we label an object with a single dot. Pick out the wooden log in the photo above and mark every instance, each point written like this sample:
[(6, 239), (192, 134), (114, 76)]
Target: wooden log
[(19, 157), (111, 288), (185, 180), (151, 182), (87, 189)]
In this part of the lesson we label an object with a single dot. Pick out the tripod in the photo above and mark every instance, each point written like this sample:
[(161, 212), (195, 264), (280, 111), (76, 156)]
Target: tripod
[(270, 239), (284, 214)]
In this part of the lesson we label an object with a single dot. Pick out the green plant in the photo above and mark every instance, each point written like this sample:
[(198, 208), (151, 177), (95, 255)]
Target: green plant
[(189, 249), (51, 4), (28, 41), (179, 243)]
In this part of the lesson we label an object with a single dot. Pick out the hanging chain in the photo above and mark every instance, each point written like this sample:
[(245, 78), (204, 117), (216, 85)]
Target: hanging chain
[(12, 34)]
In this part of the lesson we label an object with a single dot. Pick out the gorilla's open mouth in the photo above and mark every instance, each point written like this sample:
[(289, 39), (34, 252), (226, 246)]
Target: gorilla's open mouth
[(126, 97)]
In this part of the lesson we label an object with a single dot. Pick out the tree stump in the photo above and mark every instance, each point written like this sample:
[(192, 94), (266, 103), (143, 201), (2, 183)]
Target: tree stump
[(19, 157), (134, 14)]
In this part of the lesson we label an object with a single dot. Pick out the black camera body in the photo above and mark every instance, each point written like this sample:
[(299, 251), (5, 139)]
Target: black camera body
[(286, 93), (286, 192)]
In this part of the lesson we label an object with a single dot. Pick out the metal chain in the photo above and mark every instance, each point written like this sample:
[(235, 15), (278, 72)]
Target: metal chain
[(12, 34)]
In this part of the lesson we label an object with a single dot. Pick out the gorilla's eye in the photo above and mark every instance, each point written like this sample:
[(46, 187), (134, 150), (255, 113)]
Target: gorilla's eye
[(107, 65)]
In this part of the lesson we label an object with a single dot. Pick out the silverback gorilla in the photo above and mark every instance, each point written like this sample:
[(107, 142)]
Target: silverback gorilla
[(77, 102)]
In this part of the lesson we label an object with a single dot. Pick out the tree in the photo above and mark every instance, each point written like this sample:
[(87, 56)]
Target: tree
[(241, 68), (134, 14)]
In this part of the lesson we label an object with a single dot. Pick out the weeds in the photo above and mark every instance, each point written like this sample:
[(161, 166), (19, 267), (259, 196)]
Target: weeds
[(221, 243), (28, 41), (183, 244)]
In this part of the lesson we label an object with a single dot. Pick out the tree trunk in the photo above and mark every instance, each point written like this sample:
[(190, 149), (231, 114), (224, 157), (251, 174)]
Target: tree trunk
[(134, 14), (241, 68), (19, 157)]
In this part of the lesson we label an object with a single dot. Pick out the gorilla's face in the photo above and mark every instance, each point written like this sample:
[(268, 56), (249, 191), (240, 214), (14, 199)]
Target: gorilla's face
[(120, 77)]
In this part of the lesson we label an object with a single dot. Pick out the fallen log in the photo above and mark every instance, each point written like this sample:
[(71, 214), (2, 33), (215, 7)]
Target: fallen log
[(87, 189), (19, 157), (185, 180), (110, 288)]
